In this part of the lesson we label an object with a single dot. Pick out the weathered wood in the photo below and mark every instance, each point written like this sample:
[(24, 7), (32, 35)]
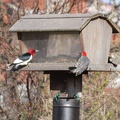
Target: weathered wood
[(55, 44), (64, 67), (37, 41), (58, 80), (56, 22), (60, 39), (63, 43), (97, 41), (65, 82), (73, 84)]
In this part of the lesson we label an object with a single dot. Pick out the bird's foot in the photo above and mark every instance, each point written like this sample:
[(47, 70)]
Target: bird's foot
[(77, 97), (28, 64), (57, 97)]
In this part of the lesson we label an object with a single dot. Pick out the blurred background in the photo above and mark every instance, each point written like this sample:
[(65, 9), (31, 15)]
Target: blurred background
[(100, 98)]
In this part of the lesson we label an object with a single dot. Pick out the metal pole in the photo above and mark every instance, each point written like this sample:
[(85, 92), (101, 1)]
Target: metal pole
[(66, 109)]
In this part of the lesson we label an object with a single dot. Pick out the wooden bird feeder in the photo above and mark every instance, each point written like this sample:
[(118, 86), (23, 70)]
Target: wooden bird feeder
[(60, 39)]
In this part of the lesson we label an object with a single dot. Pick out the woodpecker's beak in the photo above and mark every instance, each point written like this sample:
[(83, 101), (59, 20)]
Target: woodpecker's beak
[(36, 50)]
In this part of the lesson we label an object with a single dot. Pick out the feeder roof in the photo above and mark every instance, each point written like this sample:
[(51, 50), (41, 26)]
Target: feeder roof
[(58, 22)]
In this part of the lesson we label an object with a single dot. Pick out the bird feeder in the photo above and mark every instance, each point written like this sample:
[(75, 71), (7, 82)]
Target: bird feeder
[(60, 38)]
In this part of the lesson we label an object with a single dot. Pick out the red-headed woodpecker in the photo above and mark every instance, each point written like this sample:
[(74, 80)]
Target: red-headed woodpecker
[(81, 65), (23, 60)]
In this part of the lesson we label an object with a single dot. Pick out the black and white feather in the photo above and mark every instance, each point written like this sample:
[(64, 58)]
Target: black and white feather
[(81, 65), (111, 61), (23, 60)]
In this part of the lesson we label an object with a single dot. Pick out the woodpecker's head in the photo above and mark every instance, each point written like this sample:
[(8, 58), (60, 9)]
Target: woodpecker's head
[(84, 53), (32, 51)]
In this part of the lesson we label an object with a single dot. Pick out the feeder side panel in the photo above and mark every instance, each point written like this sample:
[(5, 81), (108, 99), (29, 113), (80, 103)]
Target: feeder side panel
[(63, 43), (96, 41)]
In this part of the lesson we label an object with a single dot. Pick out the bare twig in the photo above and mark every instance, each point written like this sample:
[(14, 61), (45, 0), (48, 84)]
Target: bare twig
[(3, 111), (98, 108)]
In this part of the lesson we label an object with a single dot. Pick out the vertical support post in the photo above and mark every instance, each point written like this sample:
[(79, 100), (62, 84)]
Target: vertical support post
[(68, 108), (73, 85)]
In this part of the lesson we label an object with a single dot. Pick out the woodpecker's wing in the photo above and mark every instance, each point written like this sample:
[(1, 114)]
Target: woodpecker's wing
[(78, 59), (82, 65), (22, 58), (74, 67), (25, 56)]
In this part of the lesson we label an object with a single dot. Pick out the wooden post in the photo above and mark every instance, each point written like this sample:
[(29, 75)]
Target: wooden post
[(65, 82), (73, 84), (67, 108)]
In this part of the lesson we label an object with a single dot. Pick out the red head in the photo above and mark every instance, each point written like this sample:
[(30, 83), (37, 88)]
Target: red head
[(84, 53), (32, 51)]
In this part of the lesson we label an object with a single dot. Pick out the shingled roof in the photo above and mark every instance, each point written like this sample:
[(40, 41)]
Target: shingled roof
[(58, 22)]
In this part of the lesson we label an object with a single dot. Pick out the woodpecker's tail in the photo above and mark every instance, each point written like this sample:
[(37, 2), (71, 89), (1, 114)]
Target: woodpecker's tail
[(115, 65), (109, 61), (11, 64), (14, 68), (72, 69), (17, 67)]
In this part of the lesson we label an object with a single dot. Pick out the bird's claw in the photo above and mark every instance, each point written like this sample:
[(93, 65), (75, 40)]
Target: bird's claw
[(77, 97), (28, 64), (57, 97)]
